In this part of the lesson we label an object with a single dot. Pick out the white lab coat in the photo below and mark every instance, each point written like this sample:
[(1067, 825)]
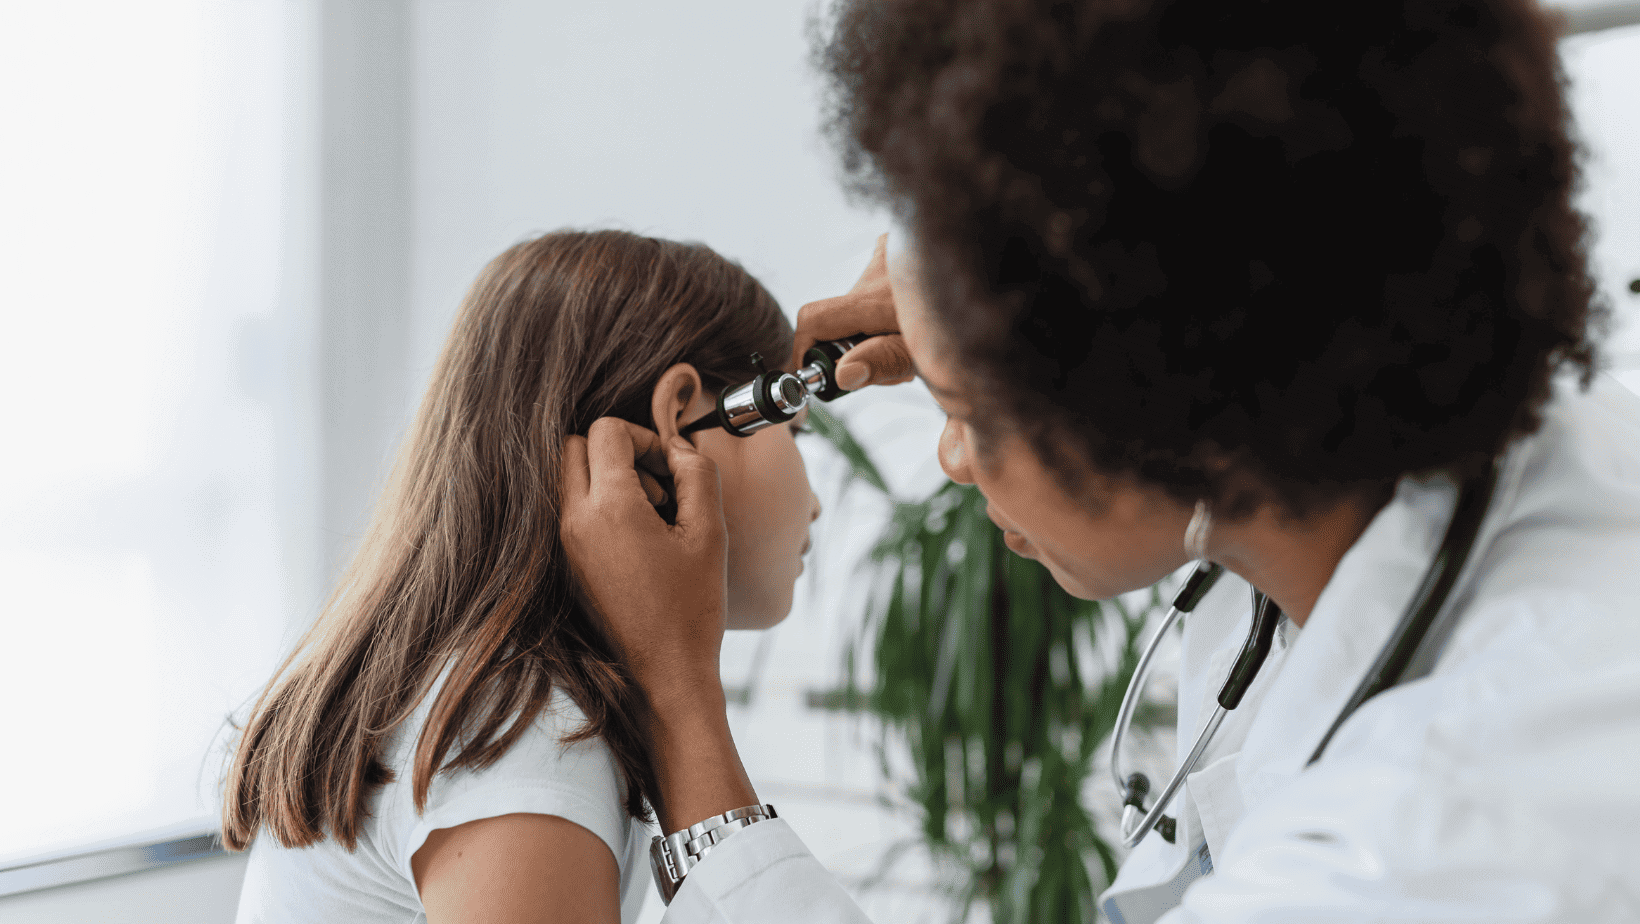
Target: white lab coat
[(1502, 788)]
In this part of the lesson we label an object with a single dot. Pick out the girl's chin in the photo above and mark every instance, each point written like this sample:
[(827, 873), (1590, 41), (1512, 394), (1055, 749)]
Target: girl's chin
[(759, 617), (755, 623)]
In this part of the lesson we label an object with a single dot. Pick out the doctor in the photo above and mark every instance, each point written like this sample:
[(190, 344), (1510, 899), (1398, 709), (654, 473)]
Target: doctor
[(1259, 283)]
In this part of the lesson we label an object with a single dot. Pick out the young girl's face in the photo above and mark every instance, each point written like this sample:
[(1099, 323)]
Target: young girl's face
[(767, 506)]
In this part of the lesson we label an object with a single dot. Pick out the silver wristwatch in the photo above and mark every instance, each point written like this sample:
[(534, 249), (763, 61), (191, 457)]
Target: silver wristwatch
[(673, 856)]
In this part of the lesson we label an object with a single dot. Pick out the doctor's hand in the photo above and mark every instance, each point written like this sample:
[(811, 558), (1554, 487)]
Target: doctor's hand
[(660, 591), (868, 308), (658, 588)]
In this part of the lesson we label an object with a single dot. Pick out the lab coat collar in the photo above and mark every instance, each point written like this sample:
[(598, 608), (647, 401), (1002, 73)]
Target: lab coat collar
[(1353, 617)]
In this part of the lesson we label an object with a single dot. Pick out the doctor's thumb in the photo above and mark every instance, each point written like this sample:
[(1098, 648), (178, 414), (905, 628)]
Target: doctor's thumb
[(882, 360), (699, 492)]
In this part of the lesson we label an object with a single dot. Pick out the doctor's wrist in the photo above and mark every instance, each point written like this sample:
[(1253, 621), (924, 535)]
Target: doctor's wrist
[(698, 772)]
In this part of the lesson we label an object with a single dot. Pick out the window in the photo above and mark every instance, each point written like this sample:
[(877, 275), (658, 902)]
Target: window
[(148, 371)]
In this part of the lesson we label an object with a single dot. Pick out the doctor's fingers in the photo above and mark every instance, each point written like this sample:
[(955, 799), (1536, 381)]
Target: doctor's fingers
[(619, 457), (867, 308), (700, 493), (883, 360), (577, 477)]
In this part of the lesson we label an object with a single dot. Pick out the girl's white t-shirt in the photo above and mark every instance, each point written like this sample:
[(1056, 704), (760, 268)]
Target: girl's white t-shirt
[(373, 884)]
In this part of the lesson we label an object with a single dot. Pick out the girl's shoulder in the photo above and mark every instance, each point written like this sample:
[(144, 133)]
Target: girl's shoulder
[(374, 882), (540, 773)]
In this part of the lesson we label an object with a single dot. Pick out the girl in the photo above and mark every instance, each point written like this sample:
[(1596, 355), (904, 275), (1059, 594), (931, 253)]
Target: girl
[(454, 738)]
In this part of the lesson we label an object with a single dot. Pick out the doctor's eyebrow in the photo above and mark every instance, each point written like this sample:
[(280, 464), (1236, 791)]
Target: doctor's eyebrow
[(945, 397), (937, 390)]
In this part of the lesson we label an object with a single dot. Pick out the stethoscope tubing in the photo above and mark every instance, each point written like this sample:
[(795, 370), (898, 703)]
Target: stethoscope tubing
[(1194, 589), (1266, 616), (1391, 667), (1130, 698), (1131, 836)]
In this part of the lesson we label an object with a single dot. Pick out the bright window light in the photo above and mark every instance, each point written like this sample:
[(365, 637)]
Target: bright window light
[(140, 573)]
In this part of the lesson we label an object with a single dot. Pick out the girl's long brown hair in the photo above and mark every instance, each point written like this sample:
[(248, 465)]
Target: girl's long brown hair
[(462, 562)]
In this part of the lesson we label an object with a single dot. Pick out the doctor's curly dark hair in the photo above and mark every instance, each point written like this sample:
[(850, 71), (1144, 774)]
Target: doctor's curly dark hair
[(1321, 244)]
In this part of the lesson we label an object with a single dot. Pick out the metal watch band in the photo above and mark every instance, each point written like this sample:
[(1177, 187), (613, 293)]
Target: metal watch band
[(673, 856)]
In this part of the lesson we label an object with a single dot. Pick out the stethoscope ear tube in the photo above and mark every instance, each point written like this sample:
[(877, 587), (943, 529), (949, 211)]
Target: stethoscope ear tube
[(1135, 787), (1266, 617), (1402, 657), (1197, 585), (1136, 820)]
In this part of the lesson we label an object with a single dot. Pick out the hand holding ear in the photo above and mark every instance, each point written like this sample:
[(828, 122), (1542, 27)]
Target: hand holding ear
[(659, 589), (868, 308)]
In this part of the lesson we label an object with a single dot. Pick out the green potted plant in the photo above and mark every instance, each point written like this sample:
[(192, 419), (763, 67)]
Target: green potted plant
[(984, 671)]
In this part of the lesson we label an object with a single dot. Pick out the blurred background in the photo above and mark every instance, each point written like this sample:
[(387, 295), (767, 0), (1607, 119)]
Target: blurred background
[(233, 236)]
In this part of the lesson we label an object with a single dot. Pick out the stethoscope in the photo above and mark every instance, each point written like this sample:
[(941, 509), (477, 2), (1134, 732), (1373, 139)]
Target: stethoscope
[(1399, 660)]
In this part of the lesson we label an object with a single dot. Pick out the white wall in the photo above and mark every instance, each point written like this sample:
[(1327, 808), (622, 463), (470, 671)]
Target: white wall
[(686, 121)]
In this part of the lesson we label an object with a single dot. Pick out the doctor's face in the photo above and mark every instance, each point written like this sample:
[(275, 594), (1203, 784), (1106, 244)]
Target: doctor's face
[(1119, 536)]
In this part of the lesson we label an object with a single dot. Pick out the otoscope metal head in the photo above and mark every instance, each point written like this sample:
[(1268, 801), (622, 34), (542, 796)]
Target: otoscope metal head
[(769, 399), (774, 397)]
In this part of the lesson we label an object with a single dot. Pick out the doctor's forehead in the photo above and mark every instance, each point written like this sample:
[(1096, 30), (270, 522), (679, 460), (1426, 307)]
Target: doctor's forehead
[(929, 345)]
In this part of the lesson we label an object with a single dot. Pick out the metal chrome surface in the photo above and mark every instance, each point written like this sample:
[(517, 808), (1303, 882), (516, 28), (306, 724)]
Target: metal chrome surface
[(812, 376), (789, 393), (1130, 698), (741, 410), (671, 857), (1130, 837)]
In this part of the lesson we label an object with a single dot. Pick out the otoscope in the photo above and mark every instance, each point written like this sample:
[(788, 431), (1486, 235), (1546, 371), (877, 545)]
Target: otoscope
[(774, 397)]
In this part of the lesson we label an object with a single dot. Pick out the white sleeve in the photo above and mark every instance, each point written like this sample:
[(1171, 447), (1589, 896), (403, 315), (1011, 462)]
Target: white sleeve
[(537, 775), (762, 874)]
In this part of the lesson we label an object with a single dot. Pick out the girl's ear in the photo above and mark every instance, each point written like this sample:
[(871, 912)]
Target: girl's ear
[(679, 399)]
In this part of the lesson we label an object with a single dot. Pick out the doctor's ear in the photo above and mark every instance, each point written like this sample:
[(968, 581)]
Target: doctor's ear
[(679, 398)]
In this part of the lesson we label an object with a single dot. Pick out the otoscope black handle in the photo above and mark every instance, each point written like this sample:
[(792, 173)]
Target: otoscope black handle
[(827, 354)]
